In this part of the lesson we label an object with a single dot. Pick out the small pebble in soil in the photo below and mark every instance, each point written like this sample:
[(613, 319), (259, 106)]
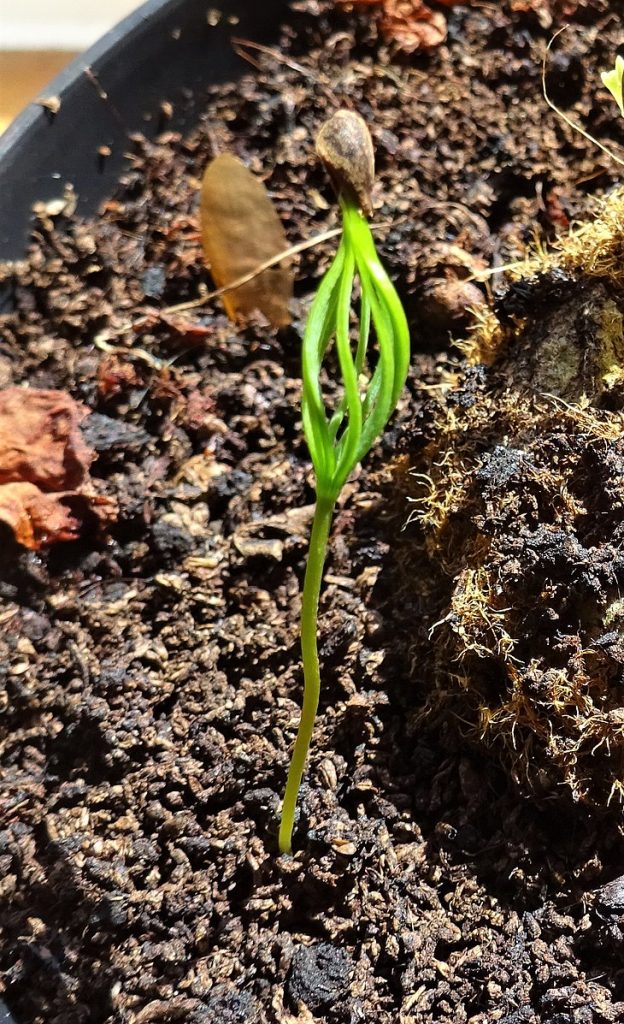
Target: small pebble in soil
[(153, 282), (105, 434), (171, 541), (228, 1006), (611, 896)]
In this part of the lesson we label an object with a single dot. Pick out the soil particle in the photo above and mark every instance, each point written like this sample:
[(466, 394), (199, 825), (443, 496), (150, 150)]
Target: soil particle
[(153, 282), (319, 977), (228, 1005), (107, 435), (610, 897)]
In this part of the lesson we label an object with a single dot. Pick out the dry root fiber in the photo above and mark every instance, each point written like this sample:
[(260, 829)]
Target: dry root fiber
[(519, 492)]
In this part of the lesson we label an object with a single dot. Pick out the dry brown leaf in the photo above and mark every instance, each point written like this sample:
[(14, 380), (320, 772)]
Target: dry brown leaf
[(412, 26), (541, 8), (34, 517), (40, 440), (547, 11), (241, 231), (45, 490)]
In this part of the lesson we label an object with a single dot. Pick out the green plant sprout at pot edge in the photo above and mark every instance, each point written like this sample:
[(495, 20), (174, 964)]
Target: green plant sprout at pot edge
[(612, 80), (339, 440)]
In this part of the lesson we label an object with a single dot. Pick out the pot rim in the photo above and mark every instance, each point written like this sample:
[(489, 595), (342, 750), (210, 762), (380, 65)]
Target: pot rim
[(165, 50), (62, 82)]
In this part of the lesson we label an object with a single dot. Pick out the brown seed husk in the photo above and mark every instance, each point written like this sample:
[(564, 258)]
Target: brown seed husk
[(241, 231), (345, 147)]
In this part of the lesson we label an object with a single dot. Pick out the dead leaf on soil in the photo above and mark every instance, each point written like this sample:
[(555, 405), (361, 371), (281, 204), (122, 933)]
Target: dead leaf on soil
[(241, 231), (45, 490), (34, 517), (40, 440), (541, 8), (412, 26), (546, 11)]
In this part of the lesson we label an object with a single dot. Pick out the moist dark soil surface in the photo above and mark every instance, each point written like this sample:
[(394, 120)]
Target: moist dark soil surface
[(152, 670)]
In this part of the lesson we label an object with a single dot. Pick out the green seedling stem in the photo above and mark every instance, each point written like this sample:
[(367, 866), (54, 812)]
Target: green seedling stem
[(338, 441)]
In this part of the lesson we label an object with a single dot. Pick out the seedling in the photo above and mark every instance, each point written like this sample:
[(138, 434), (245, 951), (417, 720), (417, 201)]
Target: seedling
[(339, 440), (612, 80)]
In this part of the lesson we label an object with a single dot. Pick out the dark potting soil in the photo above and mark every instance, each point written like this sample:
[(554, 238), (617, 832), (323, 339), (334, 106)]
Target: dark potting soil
[(152, 674)]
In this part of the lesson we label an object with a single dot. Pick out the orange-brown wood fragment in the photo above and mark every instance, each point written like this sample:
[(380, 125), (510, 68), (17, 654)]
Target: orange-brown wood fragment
[(240, 232)]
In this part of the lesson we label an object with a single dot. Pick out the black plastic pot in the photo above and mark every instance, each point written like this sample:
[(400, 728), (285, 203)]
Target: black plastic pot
[(168, 50)]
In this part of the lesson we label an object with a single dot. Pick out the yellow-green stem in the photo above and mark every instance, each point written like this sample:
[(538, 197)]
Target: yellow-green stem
[(311, 673)]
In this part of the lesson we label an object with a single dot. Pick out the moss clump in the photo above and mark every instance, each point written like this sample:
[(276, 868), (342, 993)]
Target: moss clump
[(519, 495)]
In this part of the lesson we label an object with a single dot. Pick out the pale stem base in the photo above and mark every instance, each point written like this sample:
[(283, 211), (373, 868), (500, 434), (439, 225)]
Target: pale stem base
[(311, 672)]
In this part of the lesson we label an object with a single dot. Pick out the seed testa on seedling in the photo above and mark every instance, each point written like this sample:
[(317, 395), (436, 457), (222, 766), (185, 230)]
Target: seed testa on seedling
[(338, 440)]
